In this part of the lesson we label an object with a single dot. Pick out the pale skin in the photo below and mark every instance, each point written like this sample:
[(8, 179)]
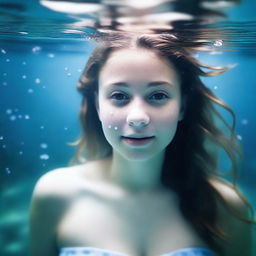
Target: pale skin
[(139, 93)]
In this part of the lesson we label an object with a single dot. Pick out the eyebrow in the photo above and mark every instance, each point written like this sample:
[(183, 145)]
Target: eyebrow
[(151, 84)]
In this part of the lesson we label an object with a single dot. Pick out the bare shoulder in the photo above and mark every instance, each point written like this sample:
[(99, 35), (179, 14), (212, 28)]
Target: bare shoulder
[(239, 231)]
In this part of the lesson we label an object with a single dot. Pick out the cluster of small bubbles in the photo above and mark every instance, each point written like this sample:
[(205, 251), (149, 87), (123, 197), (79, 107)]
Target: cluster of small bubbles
[(8, 171), (216, 87), (36, 49), (41, 127), (218, 43), (239, 137), (43, 145), (1, 137), (12, 117), (50, 55), (27, 117), (4, 83), (244, 122), (3, 51), (44, 157), (7, 60), (24, 63), (30, 91), (24, 76), (37, 81)]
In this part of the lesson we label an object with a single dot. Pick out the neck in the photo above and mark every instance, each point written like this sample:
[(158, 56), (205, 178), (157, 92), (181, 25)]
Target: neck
[(134, 175)]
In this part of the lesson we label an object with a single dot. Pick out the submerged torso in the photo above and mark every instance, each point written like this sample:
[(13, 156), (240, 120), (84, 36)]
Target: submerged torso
[(103, 215)]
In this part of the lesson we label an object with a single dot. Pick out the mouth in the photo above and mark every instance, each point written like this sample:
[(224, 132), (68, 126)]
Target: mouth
[(137, 141)]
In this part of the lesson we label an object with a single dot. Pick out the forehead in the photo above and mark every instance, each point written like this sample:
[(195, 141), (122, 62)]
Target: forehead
[(136, 66)]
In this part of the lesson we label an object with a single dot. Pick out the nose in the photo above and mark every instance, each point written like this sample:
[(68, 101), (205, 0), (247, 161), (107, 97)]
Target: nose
[(137, 117)]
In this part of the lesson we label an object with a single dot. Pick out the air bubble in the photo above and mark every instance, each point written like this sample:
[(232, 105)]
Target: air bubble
[(69, 74), (44, 157), (7, 60), (24, 63), (50, 55), (43, 145), (41, 127), (218, 43), (109, 126), (36, 49), (65, 128), (30, 91), (66, 68), (7, 170), (13, 118), (1, 137), (27, 117), (244, 122), (3, 51), (4, 146), (24, 77), (239, 137), (8, 111), (37, 81), (20, 153), (4, 83), (116, 128)]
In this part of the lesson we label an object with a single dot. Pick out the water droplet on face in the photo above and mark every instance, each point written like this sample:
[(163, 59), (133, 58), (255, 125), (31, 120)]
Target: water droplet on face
[(37, 81), (43, 145), (13, 118), (44, 157)]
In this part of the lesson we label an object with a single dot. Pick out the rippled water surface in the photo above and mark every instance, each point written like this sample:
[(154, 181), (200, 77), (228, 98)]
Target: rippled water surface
[(42, 55)]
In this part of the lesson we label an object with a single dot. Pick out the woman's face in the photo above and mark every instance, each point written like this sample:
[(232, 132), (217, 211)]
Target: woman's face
[(138, 102)]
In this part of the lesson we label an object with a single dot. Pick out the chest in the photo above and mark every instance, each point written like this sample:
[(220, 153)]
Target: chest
[(133, 226)]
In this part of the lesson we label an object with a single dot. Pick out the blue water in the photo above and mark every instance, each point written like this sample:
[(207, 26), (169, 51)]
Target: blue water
[(39, 104)]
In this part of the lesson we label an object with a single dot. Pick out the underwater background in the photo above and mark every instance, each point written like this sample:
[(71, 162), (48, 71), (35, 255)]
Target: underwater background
[(41, 58)]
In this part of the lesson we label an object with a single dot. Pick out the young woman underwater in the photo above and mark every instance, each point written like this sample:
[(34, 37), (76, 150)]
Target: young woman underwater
[(150, 184)]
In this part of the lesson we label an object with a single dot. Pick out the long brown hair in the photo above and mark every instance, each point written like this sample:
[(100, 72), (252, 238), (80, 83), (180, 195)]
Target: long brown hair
[(189, 163)]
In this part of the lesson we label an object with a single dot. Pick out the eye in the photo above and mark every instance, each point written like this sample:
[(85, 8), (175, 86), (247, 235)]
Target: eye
[(159, 96), (119, 97)]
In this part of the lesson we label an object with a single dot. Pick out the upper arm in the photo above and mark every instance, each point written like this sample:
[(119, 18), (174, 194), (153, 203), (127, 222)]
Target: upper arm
[(240, 233), (45, 210)]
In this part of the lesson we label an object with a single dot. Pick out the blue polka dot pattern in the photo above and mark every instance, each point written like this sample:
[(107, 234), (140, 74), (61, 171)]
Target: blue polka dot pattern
[(92, 251)]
